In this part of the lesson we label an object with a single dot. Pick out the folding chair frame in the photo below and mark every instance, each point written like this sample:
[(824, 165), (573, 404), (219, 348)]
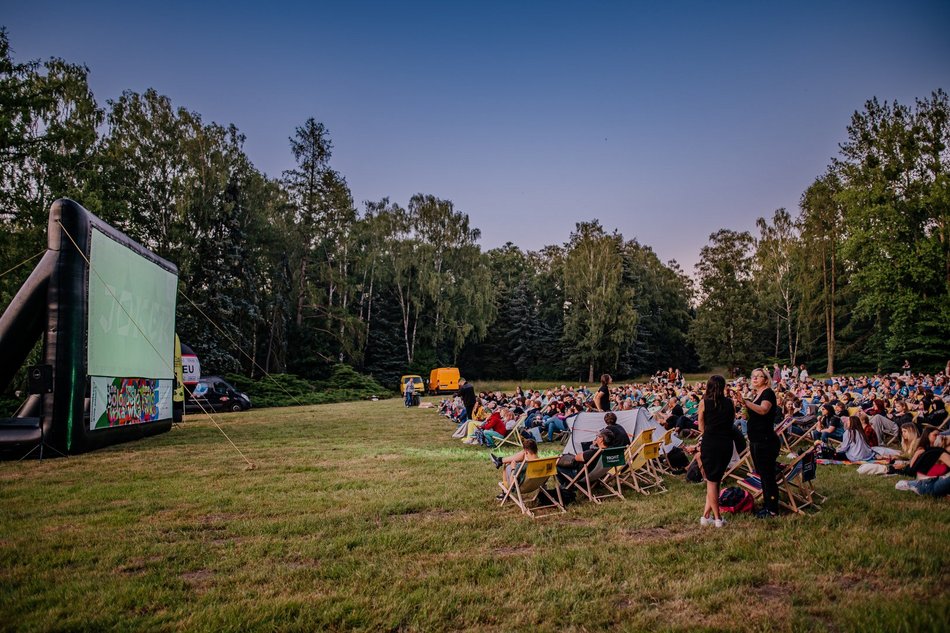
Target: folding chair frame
[(640, 474), (598, 471), (523, 486), (795, 493)]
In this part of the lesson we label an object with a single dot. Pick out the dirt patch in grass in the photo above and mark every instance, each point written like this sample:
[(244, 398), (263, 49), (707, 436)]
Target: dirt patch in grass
[(426, 514), (137, 565), (773, 591), (515, 550), (199, 580), (303, 563), (657, 534)]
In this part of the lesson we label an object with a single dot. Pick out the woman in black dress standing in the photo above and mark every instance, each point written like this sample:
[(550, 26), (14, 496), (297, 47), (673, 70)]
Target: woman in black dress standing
[(602, 396), (763, 442), (716, 415)]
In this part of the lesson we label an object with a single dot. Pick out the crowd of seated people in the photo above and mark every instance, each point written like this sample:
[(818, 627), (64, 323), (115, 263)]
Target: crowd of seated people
[(858, 418), (820, 407)]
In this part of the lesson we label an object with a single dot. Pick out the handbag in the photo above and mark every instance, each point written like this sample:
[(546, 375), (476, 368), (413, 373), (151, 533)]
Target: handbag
[(566, 461)]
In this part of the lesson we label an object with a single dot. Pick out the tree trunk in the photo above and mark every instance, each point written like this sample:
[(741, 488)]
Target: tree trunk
[(302, 295), (590, 374), (831, 320), (778, 334), (270, 340), (253, 353)]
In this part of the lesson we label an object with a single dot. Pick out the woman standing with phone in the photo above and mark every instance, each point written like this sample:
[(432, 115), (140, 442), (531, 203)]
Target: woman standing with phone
[(763, 442)]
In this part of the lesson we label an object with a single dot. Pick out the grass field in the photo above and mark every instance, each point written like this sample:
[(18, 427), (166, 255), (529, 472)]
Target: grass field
[(368, 516)]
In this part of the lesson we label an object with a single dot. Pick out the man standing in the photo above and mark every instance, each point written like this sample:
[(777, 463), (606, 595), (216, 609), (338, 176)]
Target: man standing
[(467, 393)]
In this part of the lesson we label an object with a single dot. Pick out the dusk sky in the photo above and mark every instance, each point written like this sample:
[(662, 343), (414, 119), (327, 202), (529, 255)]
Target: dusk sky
[(665, 122)]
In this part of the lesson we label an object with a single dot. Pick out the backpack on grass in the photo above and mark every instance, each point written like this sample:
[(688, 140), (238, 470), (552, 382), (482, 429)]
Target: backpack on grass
[(735, 500)]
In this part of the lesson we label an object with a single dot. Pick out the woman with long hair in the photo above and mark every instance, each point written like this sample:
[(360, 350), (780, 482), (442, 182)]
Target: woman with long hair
[(854, 444), (763, 442), (716, 415), (909, 438), (602, 397)]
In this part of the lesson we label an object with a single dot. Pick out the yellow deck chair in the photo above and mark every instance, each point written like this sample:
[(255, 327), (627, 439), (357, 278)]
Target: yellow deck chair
[(663, 464), (640, 440), (527, 486), (639, 474)]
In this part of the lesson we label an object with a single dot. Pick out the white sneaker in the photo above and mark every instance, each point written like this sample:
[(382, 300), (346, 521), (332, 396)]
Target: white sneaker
[(719, 522), (705, 521), (903, 484)]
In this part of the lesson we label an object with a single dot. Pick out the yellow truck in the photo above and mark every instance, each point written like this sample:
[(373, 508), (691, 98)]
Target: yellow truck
[(444, 380)]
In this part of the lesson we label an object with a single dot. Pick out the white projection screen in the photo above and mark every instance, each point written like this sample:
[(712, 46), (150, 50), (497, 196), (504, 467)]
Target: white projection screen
[(131, 336)]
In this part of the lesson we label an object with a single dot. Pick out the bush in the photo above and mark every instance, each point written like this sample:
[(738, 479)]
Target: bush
[(285, 390)]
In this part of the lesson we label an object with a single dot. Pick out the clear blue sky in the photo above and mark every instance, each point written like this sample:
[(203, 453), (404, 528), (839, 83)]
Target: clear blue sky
[(666, 122)]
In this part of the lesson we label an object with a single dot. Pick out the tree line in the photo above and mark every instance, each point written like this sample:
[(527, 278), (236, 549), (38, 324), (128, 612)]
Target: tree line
[(294, 272), (859, 279)]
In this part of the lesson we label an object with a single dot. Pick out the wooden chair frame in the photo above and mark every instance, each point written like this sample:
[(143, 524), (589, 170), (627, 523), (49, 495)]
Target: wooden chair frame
[(640, 473), (529, 478), (796, 490), (601, 469)]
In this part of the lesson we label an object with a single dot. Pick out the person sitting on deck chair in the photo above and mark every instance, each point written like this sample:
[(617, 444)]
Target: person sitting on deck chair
[(566, 473), (615, 434), (511, 462)]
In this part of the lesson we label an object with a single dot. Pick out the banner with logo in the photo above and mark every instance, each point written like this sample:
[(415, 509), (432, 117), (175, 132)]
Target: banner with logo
[(121, 401)]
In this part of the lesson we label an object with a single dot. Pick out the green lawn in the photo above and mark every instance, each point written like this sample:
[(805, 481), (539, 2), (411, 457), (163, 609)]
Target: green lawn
[(368, 516)]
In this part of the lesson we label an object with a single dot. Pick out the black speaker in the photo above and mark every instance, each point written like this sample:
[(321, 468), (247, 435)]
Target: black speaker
[(41, 379)]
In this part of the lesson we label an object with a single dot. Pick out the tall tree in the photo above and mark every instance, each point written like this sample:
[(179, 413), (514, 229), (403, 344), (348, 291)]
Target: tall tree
[(822, 221), (600, 319), (777, 275), (726, 329), (48, 134), (894, 199), (662, 295)]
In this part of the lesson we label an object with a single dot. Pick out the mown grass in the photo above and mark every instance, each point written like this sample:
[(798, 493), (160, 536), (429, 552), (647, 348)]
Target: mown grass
[(368, 516)]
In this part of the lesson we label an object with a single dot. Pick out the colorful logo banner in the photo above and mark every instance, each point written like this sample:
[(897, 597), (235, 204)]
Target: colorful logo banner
[(121, 401)]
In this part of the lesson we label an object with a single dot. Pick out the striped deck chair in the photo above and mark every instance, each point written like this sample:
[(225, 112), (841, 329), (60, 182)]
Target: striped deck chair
[(601, 471), (795, 487), (742, 468), (513, 436), (795, 441), (527, 486), (782, 431)]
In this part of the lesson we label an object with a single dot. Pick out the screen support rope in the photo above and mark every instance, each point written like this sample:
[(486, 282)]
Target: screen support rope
[(239, 348), (25, 261), (250, 464)]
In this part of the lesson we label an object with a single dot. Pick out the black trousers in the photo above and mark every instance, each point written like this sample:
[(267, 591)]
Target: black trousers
[(764, 455)]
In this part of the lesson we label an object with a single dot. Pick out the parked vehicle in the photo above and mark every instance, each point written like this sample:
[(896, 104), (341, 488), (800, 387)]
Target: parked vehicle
[(214, 393), (444, 380), (417, 383)]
